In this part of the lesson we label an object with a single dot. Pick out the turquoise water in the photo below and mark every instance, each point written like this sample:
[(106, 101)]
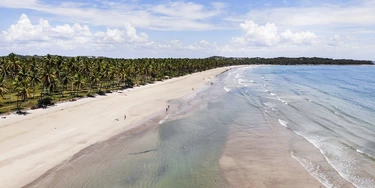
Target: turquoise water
[(333, 107)]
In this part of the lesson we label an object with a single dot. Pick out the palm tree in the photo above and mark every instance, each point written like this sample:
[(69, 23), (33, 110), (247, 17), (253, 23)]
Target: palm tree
[(2, 67), (59, 66), (73, 65), (34, 76), (3, 87), (13, 66), (48, 80), (34, 81), (106, 74), (23, 74), (94, 80), (112, 78), (22, 90), (64, 81), (123, 77), (78, 83), (49, 60)]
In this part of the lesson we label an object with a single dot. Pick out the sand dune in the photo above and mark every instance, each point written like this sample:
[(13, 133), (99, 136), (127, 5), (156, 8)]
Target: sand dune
[(32, 144)]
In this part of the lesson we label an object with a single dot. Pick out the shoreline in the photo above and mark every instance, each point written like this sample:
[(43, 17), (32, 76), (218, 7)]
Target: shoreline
[(262, 157), (267, 158), (33, 144)]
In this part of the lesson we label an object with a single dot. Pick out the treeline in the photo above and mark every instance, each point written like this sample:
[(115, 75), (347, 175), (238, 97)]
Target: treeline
[(297, 61), (38, 81)]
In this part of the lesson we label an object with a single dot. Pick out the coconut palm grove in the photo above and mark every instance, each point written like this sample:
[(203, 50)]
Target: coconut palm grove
[(39, 81)]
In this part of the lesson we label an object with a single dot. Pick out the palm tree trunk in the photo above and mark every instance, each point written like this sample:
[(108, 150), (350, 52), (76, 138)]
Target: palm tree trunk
[(11, 90), (18, 107), (34, 92), (61, 93), (90, 89)]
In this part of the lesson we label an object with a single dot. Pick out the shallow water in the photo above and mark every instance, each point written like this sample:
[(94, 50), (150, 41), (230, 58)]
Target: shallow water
[(330, 106), (333, 107)]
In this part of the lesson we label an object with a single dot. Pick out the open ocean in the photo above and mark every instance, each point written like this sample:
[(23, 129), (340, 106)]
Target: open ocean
[(332, 107)]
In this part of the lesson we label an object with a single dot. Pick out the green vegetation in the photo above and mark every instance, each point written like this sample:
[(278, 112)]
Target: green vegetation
[(295, 61), (39, 81)]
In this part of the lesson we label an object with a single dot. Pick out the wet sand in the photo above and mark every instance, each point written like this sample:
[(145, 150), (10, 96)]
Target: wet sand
[(263, 156)]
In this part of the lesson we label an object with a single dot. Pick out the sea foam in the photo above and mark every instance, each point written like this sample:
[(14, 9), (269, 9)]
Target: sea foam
[(226, 89), (283, 123), (314, 170)]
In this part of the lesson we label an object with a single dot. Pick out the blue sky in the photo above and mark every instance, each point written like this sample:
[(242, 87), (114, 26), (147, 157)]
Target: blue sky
[(145, 28)]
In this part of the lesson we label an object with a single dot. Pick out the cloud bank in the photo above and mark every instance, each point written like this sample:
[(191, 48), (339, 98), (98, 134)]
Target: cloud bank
[(43, 35), (268, 35)]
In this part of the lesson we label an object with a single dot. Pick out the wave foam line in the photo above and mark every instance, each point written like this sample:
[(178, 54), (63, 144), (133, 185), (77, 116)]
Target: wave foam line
[(314, 170), (226, 89), (283, 123)]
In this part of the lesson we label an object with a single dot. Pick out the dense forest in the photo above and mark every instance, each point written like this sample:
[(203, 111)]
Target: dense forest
[(295, 61), (39, 81)]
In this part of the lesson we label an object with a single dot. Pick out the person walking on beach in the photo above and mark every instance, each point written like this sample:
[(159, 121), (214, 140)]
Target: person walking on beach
[(124, 116)]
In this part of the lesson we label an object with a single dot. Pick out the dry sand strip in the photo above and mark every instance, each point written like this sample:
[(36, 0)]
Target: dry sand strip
[(32, 144)]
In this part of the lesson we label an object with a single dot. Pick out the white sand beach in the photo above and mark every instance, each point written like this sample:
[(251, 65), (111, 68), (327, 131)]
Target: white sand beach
[(32, 144)]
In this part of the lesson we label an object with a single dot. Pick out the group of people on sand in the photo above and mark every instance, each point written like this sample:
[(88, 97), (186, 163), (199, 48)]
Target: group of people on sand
[(167, 109)]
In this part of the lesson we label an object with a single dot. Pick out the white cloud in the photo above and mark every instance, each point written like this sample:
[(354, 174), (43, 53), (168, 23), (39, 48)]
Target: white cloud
[(268, 35), (354, 13), (326, 17), (174, 48), (338, 41), (131, 34), (177, 15), (66, 36), (209, 48), (176, 42), (335, 40), (24, 30), (204, 43), (17, 4), (111, 36), (77, 39), (260, 35), (298, 38), (188, 10)]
